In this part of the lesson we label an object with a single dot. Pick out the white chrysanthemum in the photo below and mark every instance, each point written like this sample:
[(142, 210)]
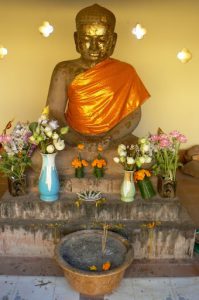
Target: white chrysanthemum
[(50, 148), (116, 160), (130, 160)]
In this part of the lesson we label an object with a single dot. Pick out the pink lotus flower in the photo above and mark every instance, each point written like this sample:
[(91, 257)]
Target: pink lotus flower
[(165, 143), (175, 133), (182, 138)]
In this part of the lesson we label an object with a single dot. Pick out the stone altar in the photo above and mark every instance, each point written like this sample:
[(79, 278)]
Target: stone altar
[(157, 228)]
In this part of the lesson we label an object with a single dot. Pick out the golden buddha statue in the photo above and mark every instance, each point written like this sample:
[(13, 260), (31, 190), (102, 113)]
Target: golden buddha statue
[(97, 96)]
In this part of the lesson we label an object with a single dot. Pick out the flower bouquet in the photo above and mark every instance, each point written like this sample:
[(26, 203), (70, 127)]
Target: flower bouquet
[(132, 158), (47, 135), (166, 156), (78, 163), (99, 163), (16, 156)]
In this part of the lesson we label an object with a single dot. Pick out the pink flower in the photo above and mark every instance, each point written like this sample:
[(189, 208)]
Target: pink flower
[(163, 136), (154, 138), (182, 138), (165, 143), (175, 133), (7, 138)]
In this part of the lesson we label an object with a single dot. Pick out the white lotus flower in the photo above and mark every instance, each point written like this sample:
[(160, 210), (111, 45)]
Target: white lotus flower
[(116, 160), (50, 148), (121, 147), (130, 160), (53, 124), (59, 145), (122, 153)]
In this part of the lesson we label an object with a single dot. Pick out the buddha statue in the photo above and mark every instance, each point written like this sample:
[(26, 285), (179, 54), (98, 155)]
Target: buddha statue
[(97, 96)]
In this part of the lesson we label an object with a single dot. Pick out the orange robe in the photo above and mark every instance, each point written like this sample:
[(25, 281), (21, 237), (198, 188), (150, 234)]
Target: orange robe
[(102, 96)]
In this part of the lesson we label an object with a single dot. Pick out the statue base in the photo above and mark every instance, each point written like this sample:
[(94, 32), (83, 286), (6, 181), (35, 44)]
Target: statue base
[(157, 228)]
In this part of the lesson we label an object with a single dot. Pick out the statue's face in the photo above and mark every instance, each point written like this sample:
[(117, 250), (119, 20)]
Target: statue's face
[(94, 42)]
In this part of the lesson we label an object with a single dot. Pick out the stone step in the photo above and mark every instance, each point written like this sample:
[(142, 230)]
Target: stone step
[(37, 238), (112, 209)]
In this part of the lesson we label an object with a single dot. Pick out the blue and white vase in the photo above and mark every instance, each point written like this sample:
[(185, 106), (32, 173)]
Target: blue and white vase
[(49, 180)]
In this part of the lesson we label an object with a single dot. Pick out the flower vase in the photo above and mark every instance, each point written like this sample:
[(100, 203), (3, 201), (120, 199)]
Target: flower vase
[(128, 187), (79, 172), (98, 172), (17, 186), (146, 188), (48, 180), (166, 187)]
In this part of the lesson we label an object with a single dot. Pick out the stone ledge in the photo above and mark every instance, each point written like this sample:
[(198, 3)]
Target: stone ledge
[(30, 207), (37, 238)]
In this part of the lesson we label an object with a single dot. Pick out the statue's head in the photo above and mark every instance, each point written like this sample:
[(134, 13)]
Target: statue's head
[(95, 37)]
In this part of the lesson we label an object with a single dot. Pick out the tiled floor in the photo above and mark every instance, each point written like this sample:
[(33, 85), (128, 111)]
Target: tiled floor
[(56, 288)]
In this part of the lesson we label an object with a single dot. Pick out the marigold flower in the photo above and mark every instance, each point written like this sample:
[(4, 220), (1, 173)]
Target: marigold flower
[(80, 146), (84, 163), (106, 266), (76, 163), (140, 174), (100, 148)]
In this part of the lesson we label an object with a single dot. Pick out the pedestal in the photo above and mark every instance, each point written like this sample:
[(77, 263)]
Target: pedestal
[(159, 228)]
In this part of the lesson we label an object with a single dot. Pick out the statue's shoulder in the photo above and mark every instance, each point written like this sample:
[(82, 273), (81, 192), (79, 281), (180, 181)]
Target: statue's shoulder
[(66, 69), (67, 65), (123, 66)]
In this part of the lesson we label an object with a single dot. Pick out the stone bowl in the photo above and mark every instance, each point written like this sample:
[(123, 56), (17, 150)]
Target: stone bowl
[(78, 251)]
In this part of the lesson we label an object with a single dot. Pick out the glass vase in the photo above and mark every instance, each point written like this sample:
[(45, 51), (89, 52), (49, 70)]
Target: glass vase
[(166, 187), (146, 188), (49, 180), (128, 187), (17, 186)]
